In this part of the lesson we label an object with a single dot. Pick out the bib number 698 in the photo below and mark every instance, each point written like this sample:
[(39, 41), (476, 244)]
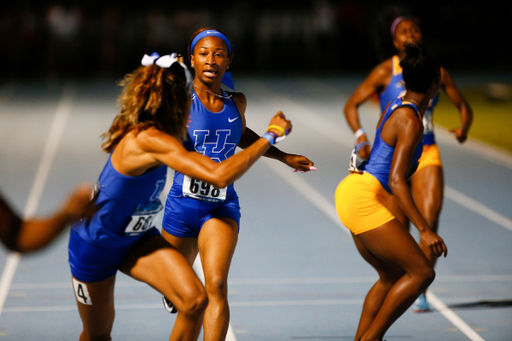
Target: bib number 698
[(203, 188)]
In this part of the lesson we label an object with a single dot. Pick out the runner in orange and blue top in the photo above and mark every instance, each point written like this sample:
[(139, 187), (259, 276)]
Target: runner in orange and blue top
[(373, 203), (386, 80)]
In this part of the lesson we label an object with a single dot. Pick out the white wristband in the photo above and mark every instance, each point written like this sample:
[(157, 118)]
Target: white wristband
[(359, 132)]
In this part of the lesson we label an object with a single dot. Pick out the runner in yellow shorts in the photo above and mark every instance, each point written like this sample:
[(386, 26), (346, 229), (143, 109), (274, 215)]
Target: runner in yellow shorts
[(386, 80), (363, 202)]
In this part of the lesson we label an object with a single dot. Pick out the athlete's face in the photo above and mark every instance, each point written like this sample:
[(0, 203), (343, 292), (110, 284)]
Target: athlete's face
[(409, 32), (210, 60)]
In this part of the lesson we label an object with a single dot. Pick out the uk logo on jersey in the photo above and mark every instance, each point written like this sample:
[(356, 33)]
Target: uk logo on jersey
[(213, 145)]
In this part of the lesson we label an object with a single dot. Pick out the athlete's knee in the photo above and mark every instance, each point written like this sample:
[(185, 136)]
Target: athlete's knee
[(426, 274), (194, 305), (217, 287)]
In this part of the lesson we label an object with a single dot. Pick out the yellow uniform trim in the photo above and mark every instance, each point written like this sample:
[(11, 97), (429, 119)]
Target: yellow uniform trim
[(395, 62)]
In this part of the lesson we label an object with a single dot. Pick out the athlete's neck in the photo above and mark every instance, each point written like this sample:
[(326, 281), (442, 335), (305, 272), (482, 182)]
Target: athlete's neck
[(420, 100)]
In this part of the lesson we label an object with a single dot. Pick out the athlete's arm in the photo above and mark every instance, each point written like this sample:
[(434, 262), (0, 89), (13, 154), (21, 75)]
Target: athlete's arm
[(249, 137), (466, 114), (168, 150), (377, 79), (407, 130), (33, 234)]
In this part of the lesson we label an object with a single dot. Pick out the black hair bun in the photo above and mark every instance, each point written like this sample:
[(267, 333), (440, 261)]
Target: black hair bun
[(413, 50)]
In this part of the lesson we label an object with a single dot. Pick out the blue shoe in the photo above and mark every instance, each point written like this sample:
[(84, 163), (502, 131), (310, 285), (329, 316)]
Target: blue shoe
[(421, 305)]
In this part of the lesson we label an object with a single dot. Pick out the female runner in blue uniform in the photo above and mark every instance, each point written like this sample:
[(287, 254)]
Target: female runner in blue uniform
[(372, 203), (145, 138), (387, 81), (200, 218)]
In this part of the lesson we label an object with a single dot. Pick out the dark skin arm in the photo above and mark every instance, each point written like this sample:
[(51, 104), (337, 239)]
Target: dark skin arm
[(374, 83), (299, 162), (404, 131), (35, 233), (458, 99), (139, 152)]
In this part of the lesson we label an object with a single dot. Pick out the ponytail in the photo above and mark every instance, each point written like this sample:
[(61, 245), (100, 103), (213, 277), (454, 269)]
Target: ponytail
[(152, 96)]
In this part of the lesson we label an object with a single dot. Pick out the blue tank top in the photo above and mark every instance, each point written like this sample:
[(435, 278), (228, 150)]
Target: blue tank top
[(127, 205), (212, 134), (379, 164), (396, 88)]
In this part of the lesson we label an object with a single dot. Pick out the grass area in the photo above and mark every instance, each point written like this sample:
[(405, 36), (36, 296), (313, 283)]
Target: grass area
[(492, 121)]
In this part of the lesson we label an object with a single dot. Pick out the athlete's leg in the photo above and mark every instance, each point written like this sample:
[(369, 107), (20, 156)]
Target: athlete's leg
[(217, 242), (96, 308), (393, 244), (159, 264), (389, 274), (186, 246), (427, 187)]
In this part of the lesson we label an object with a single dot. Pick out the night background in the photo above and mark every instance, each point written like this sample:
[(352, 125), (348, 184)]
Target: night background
[(106, 39)]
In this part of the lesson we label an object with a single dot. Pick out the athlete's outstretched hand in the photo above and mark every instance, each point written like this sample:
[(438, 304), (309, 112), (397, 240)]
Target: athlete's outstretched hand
[(280, 120), (298, 162), (434, 243), (460, 134), (79, 203)]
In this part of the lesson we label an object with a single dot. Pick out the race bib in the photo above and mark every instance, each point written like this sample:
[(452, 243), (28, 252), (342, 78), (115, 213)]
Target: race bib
[(201, 190), (143, 217)]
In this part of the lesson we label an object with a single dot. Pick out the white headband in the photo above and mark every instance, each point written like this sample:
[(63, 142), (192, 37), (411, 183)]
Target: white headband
[(166, 62)]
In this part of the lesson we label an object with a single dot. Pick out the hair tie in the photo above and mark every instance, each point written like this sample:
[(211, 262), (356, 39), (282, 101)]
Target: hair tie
[(167, 61)]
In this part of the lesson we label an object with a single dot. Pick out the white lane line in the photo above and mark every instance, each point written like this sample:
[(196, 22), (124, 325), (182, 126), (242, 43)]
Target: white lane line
[(453, 318), (198, 268), (308, 191), (277, 281), (52, 143), (478, 208), (159, 306)]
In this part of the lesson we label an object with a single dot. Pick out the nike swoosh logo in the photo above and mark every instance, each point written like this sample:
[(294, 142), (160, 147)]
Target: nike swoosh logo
[(210, 32), (232, 119)]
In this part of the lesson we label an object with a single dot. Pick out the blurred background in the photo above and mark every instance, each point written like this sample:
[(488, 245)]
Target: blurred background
[(103, 40), (88, 39)]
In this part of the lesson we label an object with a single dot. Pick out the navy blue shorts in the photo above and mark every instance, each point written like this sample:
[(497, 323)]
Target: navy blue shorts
[(184, 217), (94, 263)]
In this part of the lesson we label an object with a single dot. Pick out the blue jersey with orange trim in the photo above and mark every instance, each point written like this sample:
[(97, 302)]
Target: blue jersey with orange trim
[(127, 206), (379, 164), (396, 88), (214, 134)]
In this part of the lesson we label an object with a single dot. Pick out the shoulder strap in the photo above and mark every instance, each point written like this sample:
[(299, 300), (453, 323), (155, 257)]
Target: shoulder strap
[(396, 68)]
